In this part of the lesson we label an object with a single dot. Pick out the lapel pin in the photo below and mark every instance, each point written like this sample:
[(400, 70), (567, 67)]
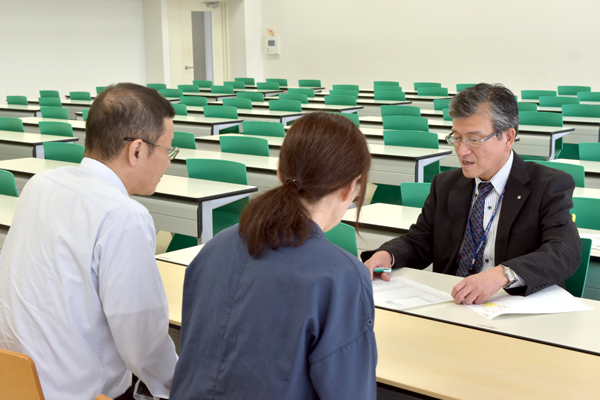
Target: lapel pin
[(519, 197)]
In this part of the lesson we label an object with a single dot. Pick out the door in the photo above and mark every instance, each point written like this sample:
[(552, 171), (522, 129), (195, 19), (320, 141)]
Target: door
[(181, 40)]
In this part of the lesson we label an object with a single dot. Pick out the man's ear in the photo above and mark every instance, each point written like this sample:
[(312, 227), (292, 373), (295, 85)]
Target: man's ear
[(133, 151), (510, 133)]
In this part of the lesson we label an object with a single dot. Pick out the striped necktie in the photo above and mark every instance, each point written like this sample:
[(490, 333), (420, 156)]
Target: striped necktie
[(469, 247)]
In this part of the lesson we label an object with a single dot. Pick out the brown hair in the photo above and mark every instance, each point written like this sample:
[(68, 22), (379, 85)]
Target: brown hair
[(321, 153), (125, 110)]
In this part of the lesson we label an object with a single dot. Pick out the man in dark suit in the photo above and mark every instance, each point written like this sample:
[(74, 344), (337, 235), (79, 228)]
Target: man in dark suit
[(499, 222)]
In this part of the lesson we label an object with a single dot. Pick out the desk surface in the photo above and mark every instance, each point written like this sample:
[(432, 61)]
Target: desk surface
[(19, 107), (591, 167), (66, 102), (258, 112), (8, 204), (80, 125), (305, 107), (32, 138), (366, 102), (266, 164), (204, 120)]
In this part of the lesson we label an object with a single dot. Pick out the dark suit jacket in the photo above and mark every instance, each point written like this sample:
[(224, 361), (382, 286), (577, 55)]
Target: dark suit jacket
[(536, 235)]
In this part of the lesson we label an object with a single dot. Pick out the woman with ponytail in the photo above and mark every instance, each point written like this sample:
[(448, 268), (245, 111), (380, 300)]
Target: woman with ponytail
[(271, 309)]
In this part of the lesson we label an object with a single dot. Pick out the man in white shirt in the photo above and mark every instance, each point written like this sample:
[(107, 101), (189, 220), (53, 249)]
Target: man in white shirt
[(499, 222), (80, 290)]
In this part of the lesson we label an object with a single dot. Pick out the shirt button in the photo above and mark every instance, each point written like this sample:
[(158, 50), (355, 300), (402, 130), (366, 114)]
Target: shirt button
[(369, 322), (487, 261), (489, 207)]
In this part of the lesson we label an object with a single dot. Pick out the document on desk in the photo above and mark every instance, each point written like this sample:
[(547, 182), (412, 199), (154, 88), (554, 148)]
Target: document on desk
[(595, 239), (551, 300), (400, 294)]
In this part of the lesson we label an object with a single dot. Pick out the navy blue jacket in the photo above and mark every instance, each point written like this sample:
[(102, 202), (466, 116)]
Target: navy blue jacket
[(294, 323)]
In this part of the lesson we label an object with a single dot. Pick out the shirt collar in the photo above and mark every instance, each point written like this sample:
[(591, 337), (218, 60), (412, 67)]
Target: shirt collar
[(104, 172), (500, 178)]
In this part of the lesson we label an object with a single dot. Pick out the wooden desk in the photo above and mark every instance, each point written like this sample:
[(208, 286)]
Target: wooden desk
[(19, 111), (449, 361), (389, 164), (22, 145), (592, 171), (179, 205), (305, 107), (32, 125)]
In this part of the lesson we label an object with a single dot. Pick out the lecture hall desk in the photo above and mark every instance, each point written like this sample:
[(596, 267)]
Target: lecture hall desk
[(21, 145)]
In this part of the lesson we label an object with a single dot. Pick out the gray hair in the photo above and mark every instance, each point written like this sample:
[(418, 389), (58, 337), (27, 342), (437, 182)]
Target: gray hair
[(501, 105)]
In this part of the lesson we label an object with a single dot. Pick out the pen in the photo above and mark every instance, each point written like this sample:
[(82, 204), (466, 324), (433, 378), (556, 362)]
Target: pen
[(382, 270)]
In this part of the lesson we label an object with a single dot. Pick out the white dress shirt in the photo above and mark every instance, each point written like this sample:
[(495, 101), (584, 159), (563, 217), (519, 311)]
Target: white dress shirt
[(80, 291)]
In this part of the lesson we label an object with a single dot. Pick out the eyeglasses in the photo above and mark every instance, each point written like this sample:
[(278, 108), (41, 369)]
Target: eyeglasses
[(471, 143), (173, 151)]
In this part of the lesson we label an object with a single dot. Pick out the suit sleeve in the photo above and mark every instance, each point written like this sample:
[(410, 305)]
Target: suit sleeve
[(415, 249), (559, 255)]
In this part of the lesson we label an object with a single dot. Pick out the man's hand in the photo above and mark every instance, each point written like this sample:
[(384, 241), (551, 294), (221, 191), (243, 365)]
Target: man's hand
[(476, 289), (381, 259)]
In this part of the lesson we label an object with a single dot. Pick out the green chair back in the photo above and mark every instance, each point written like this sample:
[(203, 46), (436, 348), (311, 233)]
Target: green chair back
[(586, 212), (68, 152), (581, 110), (418, 85), (446, 114), (573, 90), (309, 82), (246, 81), (100, 89), (221, 171), (235, 84), (463, 86), (56, 128), (286, 105), (588, 96), (387, 194), (432, 91), (267, 86), (302, 98), (306, 91), (390, 95), (440, 104), (49, 93), (50, 102), (535, 94), (157, 86), (203, 84), (576, 171), (346, 87), (340, 100), (576, 283), (84, 114), (194, 101), (180, 109), (540, 118), (407, 111), (343, 92), (378, 84), (241, 144), (179, 242), (17, 100), (253, 96), (222, 89), (8, 186), (352, 117), (223, 112), (408, 138), (387, 89), (237, 102), (557, 101), (280, 82), (54, 112), (405, 123), (570, 151), (80, 96), (589, 151), (343, 236), (414, 194), (263, 128), (184, 140), (11, 124), (189, 88), (525, 106), (171, 92)]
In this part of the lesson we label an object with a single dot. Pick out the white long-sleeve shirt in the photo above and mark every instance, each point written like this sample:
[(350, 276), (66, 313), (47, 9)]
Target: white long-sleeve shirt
[(80, 291)]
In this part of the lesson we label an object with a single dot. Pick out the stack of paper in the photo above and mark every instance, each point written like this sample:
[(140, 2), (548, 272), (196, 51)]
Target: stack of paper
[(400, 293), (595, 239)]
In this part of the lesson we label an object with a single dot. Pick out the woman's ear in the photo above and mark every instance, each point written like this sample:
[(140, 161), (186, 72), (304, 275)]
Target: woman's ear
[(350, 191)]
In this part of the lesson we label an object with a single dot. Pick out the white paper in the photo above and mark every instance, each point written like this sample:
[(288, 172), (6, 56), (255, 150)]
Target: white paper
[(400, 294), (595, 239), (183, 256), (551, 300)]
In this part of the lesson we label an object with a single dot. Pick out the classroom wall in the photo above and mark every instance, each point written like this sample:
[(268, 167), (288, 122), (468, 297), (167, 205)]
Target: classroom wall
[(245, 39), (70, 45), (156, 32), (531, 44)]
